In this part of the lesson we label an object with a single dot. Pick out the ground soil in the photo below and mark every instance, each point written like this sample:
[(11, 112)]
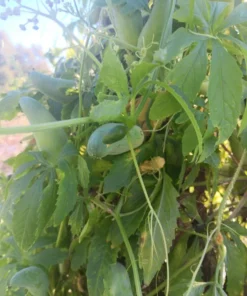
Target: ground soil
[(11, 145)]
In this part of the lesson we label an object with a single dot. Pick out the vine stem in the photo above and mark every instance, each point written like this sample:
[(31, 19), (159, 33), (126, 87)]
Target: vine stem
[(43, 126), (152, 211), (131, 255), (188, 292), (228, 192), (177, 273), (60, 234), (116, 216), (219, 220), (81, 111)]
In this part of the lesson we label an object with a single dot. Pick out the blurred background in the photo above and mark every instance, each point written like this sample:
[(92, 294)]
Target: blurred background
[(26, 44)]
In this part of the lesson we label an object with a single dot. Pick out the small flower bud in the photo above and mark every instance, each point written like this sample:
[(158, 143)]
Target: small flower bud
[(8, 11), (22, 27), (2, 3), (3, 16), (16, 11), (35, 21)]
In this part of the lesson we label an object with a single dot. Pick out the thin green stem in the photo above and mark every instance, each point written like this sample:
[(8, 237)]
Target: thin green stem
[(60, 234), (227, 180), (116, 40), (131, 255), (83, 56), (191, 9), (203, 35), (187, 265), (152, 197), (167, 30), (43, 126), (228, 192), (188, 292), (152, 211), (219, 268), (192, 232)]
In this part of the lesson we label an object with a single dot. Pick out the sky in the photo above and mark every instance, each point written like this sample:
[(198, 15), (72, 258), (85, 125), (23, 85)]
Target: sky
[(48, 36)]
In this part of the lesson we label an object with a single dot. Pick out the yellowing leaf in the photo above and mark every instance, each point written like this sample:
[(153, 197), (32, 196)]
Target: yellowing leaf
[(153, 165)]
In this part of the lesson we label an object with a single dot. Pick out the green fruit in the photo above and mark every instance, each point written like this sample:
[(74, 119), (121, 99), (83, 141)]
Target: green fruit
[(54, 88), (152, 31), (96, 148), (50, 141), (115, 134), (127, 26)]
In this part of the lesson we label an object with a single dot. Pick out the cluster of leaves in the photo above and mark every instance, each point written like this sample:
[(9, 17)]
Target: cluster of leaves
[(144, 222)]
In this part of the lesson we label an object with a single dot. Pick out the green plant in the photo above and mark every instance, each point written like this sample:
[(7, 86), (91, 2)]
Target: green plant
[(138, 187)]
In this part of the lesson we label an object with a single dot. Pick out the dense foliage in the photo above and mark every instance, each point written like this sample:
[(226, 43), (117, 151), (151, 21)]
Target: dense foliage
[(136, 181)]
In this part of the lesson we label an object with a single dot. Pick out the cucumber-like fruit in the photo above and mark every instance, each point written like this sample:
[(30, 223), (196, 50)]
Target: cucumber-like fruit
[(54, 88), (151, 33), (117, 133), (96, 148), (50, 141), (127, 26)]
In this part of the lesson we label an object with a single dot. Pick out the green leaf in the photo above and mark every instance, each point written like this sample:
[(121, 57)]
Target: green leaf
[(100, 258), (140, 73), (152, 252), (238, 16), (32, 278), (176, 44), (189, 74), (9, 104), (243, 47), (182, 261), (47, 204), (130, 222), (201, 12), (235, 228), (108, 110), (93, 219), (190, 207), (197, 289), (79, 256), (236, 266), (182, 100), (49, 257), (115, 179), (118, 283), (67, 191), (112, 73), (6, 272), (15, 190), (129, 6), (165, 105), (219, 11), (224, 91), (25, 215), (208, 148), (76, 219), (84, 172), (189, 140), (243, 122), (215, 291)]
